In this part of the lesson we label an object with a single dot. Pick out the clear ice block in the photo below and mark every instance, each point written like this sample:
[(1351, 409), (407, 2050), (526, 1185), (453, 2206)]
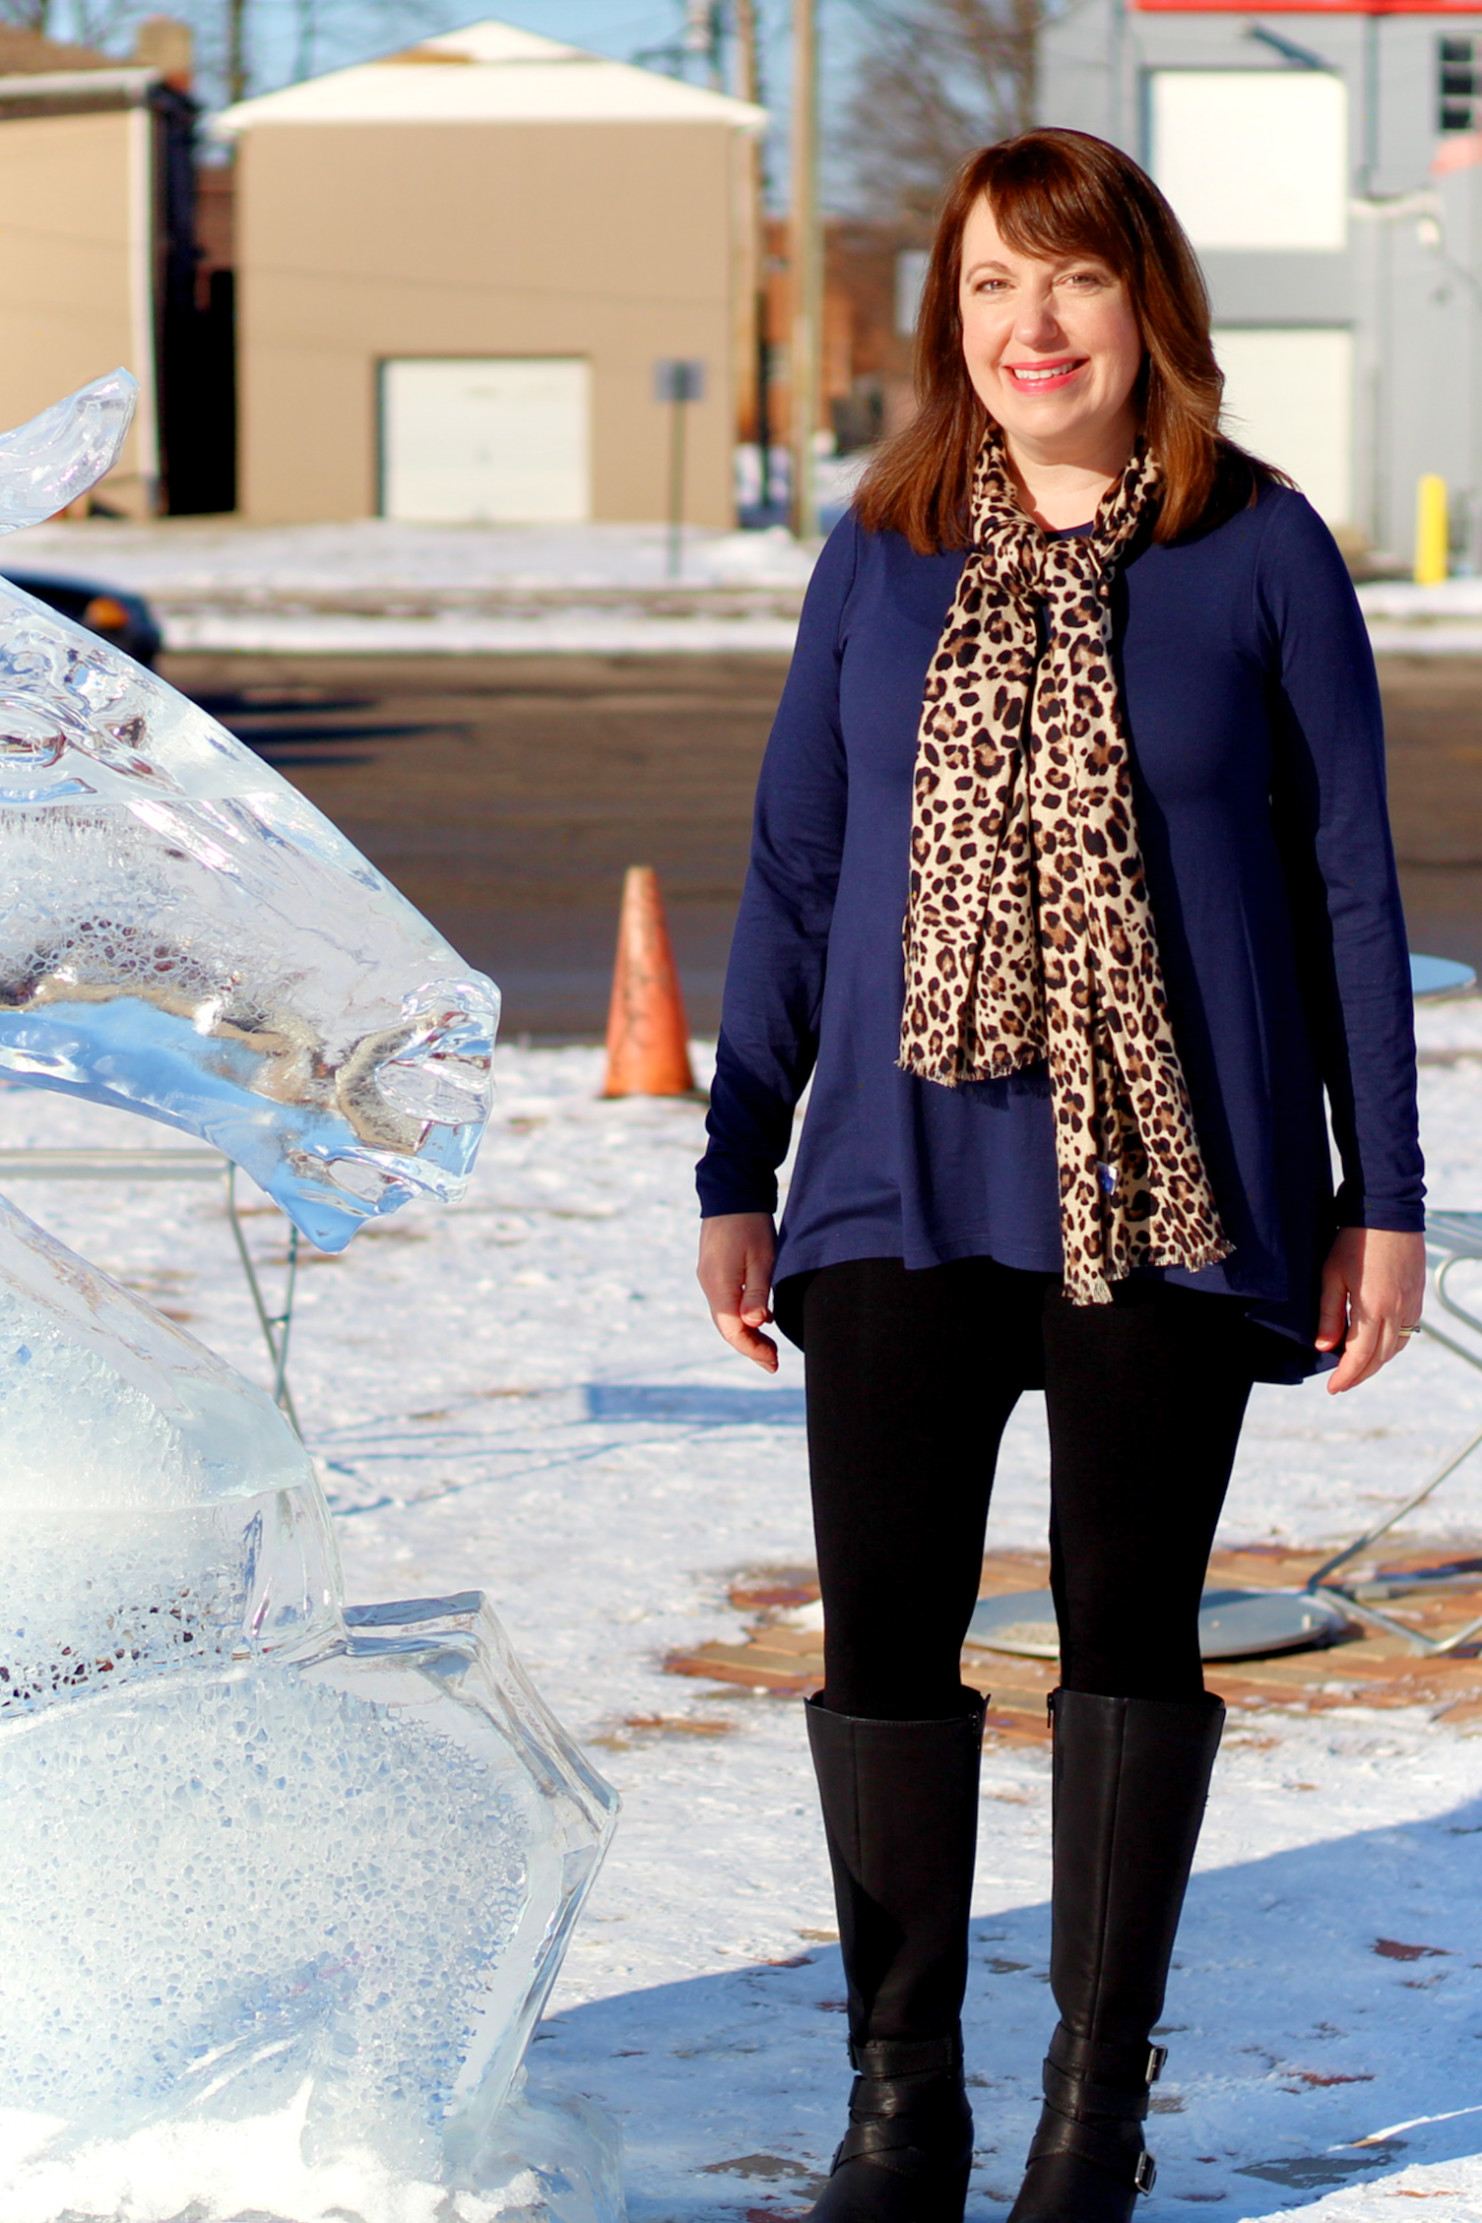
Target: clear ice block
[(281, 1877), (183, 935), (50, 461)]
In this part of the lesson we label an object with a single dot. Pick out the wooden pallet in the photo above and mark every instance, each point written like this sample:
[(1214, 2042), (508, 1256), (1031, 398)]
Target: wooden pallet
[(1364, 1669)]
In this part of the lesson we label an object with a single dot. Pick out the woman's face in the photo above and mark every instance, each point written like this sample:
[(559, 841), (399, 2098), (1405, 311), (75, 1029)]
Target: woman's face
[(1052, 347)]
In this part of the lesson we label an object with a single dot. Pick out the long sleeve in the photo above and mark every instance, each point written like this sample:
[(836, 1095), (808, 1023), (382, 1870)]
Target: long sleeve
[(1329, 802), (774, 981)]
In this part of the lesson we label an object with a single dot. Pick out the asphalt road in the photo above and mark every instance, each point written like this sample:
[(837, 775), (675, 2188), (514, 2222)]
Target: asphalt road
[(505, 796)]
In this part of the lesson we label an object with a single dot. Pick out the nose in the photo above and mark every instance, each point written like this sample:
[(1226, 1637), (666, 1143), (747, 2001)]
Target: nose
[(1037, 325)]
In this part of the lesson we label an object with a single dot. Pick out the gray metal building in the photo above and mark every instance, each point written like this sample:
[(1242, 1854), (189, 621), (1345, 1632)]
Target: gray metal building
[(1328, 166)]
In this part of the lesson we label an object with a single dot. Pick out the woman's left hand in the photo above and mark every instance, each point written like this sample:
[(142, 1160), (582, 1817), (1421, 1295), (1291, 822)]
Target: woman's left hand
[(1373, 1286)]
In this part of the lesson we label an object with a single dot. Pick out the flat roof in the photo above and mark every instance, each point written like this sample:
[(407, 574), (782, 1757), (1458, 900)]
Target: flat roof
[(489, 72)]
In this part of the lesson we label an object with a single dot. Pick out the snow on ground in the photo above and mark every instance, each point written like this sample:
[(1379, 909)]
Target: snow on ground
[(1440, 620), (220, 555), (523, 1394), (374, 586)]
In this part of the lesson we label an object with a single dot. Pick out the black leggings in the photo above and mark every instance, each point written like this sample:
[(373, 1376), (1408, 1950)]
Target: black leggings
[(911, 1377)]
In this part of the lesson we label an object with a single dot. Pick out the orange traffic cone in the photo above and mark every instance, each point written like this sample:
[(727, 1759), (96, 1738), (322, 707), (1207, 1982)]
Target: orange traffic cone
[(648, 1051)]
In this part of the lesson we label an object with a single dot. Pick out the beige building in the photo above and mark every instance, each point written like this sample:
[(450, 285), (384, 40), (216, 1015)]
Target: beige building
[(81, 276), (457, 270)]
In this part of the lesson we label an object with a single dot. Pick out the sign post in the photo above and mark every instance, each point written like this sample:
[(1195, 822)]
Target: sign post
[(677, 381)]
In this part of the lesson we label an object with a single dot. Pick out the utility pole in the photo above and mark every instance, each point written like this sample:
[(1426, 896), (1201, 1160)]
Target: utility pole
[(806, 264), (753, 352), (743, 24), (702, 34), (236, 50)]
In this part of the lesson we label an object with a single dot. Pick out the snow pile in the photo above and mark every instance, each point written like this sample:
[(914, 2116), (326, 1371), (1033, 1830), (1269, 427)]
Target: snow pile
[(374, 585), (218, 556), (1440, 620)]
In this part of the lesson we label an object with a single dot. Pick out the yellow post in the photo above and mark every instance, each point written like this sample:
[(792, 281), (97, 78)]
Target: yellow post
[(1431, 548)]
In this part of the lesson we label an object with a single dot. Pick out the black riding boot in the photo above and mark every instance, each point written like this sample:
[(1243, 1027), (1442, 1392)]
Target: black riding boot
[(900, 1810), (1131, 1780)]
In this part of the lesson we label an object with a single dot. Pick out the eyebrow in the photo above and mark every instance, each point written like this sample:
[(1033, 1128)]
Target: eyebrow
[(1060, 263)]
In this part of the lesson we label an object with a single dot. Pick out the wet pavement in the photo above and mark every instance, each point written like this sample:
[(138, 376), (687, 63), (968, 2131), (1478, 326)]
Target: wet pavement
[(1433, 716), (506, 795)]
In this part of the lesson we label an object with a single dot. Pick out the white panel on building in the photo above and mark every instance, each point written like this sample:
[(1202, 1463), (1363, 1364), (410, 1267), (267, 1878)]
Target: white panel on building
[(1253, 158), (501, 440), (1289, 399)]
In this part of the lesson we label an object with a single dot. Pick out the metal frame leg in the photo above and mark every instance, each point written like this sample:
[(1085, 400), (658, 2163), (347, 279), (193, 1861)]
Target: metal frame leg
[(276, 1326), (1359, 1608), (177, 1165)]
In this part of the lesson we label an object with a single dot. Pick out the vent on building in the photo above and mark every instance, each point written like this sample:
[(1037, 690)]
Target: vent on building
[(1459, 84)]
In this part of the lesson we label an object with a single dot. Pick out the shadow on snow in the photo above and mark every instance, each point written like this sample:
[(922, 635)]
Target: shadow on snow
[(1321, 1997)]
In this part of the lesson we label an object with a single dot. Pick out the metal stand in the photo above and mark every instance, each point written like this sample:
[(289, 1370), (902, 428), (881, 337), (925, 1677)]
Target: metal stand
[(1452, 1239), (276, 1326), (177, 1165)]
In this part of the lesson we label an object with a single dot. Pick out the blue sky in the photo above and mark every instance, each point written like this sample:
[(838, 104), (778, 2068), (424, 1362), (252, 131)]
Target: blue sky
[(625, 29), (347, 31)]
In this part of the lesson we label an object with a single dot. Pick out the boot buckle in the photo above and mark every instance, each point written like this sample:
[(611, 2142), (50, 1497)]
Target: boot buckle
[(1146, 2174), (1157, 2056)]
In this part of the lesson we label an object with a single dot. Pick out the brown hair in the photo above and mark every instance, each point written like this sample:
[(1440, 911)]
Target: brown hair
[(1058, 192)]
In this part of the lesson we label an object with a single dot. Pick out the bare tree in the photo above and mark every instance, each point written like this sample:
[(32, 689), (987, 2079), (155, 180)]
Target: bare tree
[(938, 78), (84, 23), (240, 46)]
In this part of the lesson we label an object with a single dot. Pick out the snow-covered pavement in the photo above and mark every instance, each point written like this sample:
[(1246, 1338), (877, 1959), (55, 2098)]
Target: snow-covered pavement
[(523, 1394), (373, 586), (1440, 620)]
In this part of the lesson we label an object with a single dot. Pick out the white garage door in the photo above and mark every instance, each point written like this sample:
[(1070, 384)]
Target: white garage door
[(1253, 158), (499, 440), (1289, 399)]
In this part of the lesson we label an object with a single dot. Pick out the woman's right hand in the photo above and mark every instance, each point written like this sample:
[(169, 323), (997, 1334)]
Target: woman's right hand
[(735, 1272)]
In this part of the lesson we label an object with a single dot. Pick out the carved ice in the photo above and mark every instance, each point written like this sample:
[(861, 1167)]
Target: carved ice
[(271, 1868), (182, 934), (285, 1882)]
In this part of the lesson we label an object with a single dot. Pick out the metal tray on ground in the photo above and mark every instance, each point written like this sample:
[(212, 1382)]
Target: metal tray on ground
[(1233, 1624)]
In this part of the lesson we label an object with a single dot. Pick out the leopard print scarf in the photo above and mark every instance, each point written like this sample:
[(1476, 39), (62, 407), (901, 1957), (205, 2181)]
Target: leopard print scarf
[(1029, 933)]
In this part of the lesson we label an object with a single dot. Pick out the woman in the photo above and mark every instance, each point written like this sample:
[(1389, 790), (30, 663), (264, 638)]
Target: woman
[(1083, 719)]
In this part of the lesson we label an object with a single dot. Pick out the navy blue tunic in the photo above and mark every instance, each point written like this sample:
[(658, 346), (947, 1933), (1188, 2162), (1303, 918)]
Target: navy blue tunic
[(1258, 765)]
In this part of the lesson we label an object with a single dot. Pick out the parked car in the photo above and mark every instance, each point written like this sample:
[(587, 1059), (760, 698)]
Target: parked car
[(124, 620)]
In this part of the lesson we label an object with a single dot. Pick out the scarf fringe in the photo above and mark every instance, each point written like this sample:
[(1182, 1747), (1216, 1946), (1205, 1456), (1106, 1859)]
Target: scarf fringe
[(1084, 1288), (959, 1073)]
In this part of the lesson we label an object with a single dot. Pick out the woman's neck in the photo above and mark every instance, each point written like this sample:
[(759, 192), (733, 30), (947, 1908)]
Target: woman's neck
[(1057, 491)]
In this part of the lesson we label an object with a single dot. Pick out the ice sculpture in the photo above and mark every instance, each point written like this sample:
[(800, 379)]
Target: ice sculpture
[(182, 934), (285, 1882), (276, 1874)]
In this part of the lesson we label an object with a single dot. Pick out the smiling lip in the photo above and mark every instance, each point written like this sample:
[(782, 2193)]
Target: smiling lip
[(1044, 378)]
